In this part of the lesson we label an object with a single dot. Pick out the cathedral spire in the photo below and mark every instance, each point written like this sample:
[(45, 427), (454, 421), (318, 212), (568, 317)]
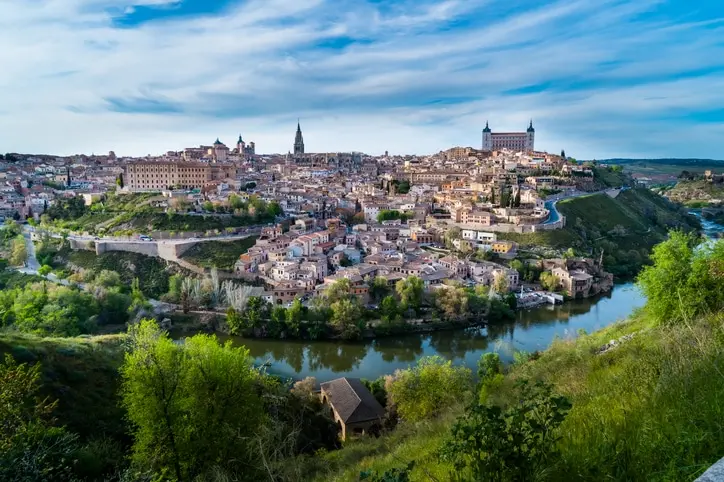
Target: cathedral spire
[(298, 141)]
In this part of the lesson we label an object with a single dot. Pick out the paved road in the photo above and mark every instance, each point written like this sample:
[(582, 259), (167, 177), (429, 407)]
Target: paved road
[(114, 239), (551, 202)]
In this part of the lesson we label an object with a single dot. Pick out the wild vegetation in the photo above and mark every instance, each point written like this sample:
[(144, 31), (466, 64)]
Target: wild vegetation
[(624, 229), (218, 254), (126, 214)]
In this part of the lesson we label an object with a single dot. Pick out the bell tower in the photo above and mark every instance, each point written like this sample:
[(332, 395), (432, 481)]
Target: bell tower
[(298, 141)]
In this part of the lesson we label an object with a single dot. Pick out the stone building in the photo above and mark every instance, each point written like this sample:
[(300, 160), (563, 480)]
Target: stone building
[(515, 141), (353, 407)]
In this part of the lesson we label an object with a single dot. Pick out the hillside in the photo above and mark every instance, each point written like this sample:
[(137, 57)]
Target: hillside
[(645, 410), (82, 374), (696, 192), (625, 228)]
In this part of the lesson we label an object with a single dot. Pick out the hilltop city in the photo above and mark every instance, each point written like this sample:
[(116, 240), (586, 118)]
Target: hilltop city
[(446, 217)]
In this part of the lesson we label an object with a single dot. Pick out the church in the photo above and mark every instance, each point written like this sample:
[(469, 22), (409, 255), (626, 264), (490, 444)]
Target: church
[(339, 160)]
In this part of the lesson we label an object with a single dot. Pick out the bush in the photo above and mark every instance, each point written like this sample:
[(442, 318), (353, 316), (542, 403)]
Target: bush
[(516, 444), (427, 389)]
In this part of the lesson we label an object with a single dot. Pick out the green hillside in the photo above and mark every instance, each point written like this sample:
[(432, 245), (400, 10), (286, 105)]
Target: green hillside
[(625, 228)]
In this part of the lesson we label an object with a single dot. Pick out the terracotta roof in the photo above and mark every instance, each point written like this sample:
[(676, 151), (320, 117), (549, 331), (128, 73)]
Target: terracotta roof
[(352, 401)]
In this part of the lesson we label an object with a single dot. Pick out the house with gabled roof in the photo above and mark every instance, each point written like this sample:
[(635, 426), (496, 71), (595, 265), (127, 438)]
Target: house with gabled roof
[(353, 407)]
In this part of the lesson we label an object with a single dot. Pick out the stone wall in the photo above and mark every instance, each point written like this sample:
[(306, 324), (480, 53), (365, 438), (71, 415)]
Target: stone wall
[(149, 248)]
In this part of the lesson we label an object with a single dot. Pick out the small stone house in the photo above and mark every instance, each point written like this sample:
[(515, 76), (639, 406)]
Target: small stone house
[(353, 407)]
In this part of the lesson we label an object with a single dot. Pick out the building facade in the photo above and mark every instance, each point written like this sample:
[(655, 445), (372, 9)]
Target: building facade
[(159, 175), (515, 141)]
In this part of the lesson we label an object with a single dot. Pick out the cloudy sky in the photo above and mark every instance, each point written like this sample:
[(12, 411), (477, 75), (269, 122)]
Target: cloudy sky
[(599, 78)]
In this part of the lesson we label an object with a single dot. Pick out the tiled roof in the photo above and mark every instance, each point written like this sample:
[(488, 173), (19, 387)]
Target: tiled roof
[(352, 401)]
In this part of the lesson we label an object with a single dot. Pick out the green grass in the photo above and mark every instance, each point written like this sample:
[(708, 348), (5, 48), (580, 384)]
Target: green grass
[(608, 178), (593, 223), (82, 374), (219, 254), (649, 409), (152, 273)]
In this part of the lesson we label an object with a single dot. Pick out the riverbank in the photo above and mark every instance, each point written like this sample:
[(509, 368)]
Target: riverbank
[(646, 409), (530, 331)]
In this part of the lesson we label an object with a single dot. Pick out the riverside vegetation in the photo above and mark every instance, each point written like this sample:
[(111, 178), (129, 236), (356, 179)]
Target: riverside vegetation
[(639, 400)]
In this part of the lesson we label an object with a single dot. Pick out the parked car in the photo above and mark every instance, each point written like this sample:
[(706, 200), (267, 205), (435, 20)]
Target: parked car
[(143, 237)]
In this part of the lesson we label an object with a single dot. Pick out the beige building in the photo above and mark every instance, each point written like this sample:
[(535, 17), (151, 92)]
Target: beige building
[(576, 283), (515, 141), (158, 175)]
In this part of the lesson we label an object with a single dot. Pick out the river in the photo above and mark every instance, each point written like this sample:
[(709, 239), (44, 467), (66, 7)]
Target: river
[(532, 330)]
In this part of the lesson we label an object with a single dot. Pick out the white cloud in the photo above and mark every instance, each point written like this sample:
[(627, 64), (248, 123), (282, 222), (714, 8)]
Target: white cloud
[(600, 76)]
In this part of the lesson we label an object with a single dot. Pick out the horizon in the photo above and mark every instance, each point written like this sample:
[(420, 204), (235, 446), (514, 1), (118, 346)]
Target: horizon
[(141, 77)]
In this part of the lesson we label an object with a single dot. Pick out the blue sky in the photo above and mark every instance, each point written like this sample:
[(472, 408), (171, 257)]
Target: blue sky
[(605, 78)]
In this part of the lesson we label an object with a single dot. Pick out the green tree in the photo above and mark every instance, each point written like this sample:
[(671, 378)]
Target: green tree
[(428, 388), (339, 290), (664, 281), (500, 284), (30, 447), (138, 299), (390, 310), (379, 288), (516, 444), (490, 374), (452, 301), (295, 314), (549, 281), (19, 252), (44, 270), (193, 408), (347, 318), (255, 312), (277, 321), (410, 290)]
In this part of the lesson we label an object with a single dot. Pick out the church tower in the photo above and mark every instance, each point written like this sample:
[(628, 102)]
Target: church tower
[(298, 142), (241, 145), (487, 138), (530, 138)]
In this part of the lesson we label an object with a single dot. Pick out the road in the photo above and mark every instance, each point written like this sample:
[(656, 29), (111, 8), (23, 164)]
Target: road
[(551, 202), (117, 239)]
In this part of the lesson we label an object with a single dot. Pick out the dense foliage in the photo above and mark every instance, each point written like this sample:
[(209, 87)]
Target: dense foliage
[(686, 279), (428, 388)]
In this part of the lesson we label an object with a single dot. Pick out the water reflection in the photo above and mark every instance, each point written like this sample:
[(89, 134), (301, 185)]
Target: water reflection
[(532, 330)]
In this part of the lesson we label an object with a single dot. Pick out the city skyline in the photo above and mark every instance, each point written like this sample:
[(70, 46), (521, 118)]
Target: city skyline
[(615, 79)]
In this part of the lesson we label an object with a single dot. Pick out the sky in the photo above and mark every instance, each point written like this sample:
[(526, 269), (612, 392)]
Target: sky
[(599, 78)]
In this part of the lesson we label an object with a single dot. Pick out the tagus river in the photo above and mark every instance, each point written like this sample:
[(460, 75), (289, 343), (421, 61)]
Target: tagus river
[(532, 330)]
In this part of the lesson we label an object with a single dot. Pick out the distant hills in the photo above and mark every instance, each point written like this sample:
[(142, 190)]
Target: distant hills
[(666, 161)]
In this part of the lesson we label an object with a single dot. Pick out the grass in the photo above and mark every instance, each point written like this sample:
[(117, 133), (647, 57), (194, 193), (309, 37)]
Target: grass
[(82, 374), (418, 442), (649, 409), (609, 178), (219, 254), (625, 228)]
